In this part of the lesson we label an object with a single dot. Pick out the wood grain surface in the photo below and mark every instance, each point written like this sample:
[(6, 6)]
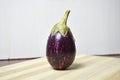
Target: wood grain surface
[(83, 68)]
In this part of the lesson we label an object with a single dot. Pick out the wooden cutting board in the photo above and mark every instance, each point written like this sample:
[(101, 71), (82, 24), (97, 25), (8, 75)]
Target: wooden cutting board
[(83, 68)]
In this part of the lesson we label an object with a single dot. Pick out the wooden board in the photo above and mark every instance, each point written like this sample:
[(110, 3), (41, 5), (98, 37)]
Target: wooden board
[(83, 68)]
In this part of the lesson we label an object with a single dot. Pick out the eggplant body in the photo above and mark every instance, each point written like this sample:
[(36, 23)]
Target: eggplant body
[(61, 50)]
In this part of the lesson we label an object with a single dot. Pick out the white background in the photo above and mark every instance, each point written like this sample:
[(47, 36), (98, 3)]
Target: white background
[(25, 26)]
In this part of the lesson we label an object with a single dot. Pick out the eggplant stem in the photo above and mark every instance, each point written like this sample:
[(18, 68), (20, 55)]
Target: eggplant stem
[(65, 17)]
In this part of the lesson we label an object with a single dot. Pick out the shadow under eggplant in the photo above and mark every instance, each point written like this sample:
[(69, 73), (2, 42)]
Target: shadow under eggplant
[(75, 66)]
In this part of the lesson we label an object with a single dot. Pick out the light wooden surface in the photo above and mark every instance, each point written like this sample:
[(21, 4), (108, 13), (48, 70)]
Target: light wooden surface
[(83, 68)]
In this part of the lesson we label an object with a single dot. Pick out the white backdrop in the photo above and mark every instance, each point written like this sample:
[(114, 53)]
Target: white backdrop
[(26, 24)]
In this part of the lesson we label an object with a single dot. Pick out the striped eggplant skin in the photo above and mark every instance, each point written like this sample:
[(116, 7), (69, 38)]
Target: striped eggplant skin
[(61, 50)]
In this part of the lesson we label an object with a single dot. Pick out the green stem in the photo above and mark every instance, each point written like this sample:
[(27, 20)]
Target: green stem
[(61, 26), (65, 17)]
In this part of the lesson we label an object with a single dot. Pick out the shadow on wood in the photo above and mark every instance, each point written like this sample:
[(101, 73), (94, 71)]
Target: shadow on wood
[(75, 66)]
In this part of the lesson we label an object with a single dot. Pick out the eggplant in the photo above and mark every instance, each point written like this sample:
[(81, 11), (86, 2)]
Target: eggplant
[(61, 49)]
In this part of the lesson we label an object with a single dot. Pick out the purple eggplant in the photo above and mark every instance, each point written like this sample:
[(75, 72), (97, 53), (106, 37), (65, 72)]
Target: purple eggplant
[(61, 49)]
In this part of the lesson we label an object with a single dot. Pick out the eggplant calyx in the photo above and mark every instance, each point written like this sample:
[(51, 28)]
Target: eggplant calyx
[(61, 26)]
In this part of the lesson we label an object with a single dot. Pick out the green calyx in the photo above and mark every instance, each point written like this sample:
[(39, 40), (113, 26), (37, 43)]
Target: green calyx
[(61, 26)]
